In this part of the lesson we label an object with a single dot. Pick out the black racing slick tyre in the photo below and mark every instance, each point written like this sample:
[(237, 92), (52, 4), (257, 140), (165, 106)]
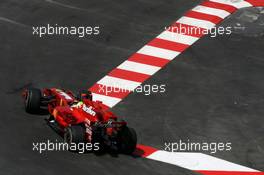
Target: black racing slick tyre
[(127, 140), (74, 134), (33, 100)]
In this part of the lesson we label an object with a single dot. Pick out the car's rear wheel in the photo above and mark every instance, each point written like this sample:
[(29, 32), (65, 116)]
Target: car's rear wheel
[(127, 140), (74, 134), (33, 100)]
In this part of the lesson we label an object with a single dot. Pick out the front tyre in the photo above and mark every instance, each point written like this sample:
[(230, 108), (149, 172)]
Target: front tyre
[(33, 100), (127, 140)]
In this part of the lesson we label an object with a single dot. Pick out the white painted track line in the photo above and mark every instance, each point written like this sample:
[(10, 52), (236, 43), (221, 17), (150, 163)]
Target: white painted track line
[(197, 161)]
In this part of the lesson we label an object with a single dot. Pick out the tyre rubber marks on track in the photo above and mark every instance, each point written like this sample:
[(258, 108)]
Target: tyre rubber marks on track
[(156, 54)]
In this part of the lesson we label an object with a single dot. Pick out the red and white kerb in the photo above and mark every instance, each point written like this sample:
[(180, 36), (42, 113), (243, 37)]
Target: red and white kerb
[(156, 54)]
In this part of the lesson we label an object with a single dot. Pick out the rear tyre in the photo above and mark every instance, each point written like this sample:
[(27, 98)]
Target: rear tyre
[(74, 134), (127, 140), (33, 100)]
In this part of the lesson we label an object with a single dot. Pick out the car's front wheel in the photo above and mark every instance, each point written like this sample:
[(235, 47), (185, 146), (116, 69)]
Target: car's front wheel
[(33, 100)]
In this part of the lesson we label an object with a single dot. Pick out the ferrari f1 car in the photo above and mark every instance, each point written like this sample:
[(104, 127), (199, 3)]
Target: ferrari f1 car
[(79, 119)]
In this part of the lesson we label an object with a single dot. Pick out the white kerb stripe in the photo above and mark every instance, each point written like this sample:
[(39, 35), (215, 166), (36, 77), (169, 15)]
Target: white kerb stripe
[(122, 84), (108, 101), (177, 37), (197, 161), (138, 67), (196, 22), (211, 11), (158, 52), (235, 3)]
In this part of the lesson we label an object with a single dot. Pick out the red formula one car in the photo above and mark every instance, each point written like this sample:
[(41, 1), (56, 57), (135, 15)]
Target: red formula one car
[(81, 120)]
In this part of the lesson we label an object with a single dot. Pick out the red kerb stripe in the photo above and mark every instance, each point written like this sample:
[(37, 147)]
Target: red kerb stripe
[(165, 44), (212, 18), (216, 5), (150, 60), (128, 75)]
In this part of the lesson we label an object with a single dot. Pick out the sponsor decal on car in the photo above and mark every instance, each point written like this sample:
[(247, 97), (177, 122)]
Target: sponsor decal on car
[(89, 110)]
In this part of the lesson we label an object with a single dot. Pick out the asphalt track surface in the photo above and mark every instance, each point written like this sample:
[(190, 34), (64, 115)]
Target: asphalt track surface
[(214, 90)]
